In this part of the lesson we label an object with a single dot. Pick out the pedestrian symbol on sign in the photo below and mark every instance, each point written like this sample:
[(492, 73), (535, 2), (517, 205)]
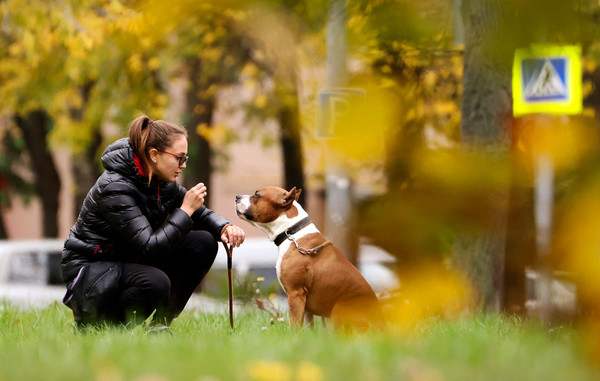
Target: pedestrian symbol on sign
[(545, 79)]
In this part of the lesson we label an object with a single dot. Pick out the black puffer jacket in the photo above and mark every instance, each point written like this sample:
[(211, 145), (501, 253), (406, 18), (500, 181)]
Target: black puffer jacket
[(125, 219)]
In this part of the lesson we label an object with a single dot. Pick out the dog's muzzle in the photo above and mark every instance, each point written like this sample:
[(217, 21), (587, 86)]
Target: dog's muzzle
[(242, 204)]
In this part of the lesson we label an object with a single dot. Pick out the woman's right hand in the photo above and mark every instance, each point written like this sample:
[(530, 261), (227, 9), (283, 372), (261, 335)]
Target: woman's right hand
[(194, 199)]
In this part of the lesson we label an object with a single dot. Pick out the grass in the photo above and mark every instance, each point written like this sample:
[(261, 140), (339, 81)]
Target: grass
[(41, 345)]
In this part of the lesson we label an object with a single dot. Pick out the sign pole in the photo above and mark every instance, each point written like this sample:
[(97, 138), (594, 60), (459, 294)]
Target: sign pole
[(544, 206), (338, 205), (546, 81)]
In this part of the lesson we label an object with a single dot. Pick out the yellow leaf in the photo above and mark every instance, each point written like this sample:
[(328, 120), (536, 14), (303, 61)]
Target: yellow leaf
[(116, 7), (429, 79), (135, 62), (249, 69), (87, 41), (28, 41), (261, 370), (587, 88), (260, 101), (15, 49), (308, 371), (213, 54), (388, 83), (153, 63), (236, 14), (444, 107), (209, 38), (590, 66)]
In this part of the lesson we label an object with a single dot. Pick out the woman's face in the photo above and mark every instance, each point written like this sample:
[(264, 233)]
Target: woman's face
[(165, 163)]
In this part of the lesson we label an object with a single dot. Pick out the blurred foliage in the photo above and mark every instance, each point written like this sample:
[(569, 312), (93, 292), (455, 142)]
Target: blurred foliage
[(83, 62), (431, 292), (408, 128)]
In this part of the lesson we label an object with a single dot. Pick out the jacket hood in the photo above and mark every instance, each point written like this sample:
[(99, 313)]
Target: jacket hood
[(118, 157)]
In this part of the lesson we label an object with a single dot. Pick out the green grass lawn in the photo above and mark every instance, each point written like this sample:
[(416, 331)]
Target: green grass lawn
[(41, 345)]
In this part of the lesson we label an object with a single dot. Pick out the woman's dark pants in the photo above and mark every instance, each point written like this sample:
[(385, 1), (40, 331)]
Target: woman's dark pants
[(165, 285)]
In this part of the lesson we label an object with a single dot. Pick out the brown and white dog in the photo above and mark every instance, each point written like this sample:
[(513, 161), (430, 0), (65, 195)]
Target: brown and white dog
[(316, 276)]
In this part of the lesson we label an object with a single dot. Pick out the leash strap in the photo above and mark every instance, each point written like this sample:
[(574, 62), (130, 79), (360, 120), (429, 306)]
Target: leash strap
[(229, 250)]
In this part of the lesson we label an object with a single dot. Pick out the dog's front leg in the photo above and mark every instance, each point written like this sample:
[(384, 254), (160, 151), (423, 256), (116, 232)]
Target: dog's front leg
[(297, 303)]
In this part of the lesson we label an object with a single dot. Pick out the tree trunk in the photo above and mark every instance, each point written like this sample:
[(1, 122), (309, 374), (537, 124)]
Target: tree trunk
[(199, 110), (291, 143), (34, 126), (3, 233), (486, 115), (85, 170)]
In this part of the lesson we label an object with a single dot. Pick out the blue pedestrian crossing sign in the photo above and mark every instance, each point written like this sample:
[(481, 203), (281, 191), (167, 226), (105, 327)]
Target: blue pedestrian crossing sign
[(547, 79)]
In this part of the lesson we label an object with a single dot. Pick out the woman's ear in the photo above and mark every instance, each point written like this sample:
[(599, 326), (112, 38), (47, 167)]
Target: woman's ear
[(153, 155)]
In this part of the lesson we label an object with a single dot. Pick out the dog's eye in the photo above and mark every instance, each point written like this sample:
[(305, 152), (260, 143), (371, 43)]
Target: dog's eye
[(256, 194)]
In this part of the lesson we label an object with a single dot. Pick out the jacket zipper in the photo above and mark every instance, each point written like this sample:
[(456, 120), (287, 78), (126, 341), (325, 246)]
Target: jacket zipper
[(87, 291)]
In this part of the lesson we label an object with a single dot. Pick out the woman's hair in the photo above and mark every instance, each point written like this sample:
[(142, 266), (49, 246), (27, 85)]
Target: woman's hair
[(145, 134)]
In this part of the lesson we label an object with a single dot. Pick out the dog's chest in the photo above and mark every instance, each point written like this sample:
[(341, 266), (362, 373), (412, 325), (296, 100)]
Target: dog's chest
[(287, 248), (284, 249)]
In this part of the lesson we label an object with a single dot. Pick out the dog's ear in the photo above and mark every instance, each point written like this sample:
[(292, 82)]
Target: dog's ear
[(291, 196)]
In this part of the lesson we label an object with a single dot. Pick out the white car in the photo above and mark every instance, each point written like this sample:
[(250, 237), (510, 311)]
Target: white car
[(30, 272)]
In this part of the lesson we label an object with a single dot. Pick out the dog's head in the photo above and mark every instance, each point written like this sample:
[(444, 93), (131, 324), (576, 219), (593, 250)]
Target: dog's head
[(271, 209), (267, 205)]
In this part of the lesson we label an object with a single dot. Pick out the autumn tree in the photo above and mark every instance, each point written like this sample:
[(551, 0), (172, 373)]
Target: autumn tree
[(218, 43), (275, 51), (28, 57), (75, 67), (209, 56), (493, 30), (418, 68), (112, 76)]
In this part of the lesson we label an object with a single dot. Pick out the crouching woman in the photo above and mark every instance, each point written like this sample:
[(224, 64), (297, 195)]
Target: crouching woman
[(142, 243)]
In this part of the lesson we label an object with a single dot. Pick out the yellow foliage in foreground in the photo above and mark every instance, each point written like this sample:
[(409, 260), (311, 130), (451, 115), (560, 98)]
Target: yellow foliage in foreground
[(261, 370), (428, 292)]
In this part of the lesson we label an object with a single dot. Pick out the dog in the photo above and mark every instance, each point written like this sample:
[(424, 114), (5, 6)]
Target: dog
[(317, 278)]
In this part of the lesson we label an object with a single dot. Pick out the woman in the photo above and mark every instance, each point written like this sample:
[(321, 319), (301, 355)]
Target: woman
[(142, 243)]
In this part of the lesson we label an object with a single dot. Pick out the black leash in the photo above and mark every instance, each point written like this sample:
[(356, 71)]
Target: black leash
[(229, 250)]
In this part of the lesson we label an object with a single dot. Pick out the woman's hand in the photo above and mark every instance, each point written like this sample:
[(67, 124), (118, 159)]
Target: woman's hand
[(194, 199), (233, 235)]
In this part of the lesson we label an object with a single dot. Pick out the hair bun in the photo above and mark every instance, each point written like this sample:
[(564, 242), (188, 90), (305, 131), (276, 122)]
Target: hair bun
[(146, 122)]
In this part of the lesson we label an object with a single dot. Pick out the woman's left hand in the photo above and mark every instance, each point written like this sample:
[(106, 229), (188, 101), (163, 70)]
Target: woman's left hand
[(233, 235)]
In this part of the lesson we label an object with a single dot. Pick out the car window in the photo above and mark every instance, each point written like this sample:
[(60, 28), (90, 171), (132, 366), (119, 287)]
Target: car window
[(34, 267)]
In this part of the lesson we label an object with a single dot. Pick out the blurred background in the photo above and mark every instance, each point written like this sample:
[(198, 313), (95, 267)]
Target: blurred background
[(393, 116)]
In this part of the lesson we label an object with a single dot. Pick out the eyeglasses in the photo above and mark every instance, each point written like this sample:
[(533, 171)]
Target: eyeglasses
[(182, 158)]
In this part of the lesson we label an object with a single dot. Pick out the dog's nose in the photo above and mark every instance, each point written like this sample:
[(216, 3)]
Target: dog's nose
[(237, 198)]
